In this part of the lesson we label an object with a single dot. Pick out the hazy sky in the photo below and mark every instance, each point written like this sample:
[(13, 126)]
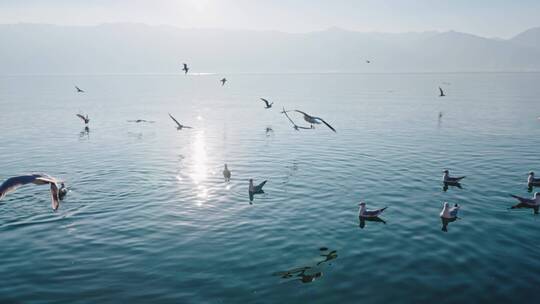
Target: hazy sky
[(500, 18)]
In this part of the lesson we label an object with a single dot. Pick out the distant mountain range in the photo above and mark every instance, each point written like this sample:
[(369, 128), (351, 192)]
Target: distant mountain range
[(137, 48)]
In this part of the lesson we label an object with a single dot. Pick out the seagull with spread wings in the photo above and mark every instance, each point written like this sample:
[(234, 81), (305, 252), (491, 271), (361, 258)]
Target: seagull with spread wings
[(79, 90), (295, 126), (84, 118), (315, 120), (11, 184), (268, 104), (179, 125)]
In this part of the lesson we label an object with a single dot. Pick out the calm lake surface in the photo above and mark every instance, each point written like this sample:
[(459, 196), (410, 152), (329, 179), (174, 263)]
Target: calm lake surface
[(150, 219)]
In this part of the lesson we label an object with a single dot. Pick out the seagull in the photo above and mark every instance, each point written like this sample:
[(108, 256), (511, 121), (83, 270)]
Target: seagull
[(268, 104), (223, 81), (448, 215), (367, 61), (532, 181), (369, 213), (185, 69), (84, 118), (179, 125), (442, 92), (256, 189), (328, 257), (141, 120), (11, 184), (62, 192), (79, 89), (450, 180), (295, 126), (226, 173), (315, 120), (533, 203)]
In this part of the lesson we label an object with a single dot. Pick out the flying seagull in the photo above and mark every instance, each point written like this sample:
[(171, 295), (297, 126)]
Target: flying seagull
[(141, 120), (185, 69), (79, 89), (442, 92), (367, 61), (223, 80), (179, 125), (84, 118), (533, 203), (315, 120), (11, 184), (268, 104), (295, 126)]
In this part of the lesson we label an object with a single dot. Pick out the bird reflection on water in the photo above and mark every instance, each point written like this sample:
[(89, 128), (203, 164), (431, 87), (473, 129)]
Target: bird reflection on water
[(308, 274), (85, 133), (447, 185), (363, 221)]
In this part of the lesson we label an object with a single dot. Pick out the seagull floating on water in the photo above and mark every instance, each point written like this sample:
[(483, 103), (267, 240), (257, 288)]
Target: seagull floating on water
[(268, 104), (315, 120), (255, 189), (447, 179), (79, 90), (448, 215), (223, 80), (532, 181), (11, 184), (533, 203), (369, 213), (179, 126), (84, 118), (442, 92), (185, 68), (226, 173), (295, 126)]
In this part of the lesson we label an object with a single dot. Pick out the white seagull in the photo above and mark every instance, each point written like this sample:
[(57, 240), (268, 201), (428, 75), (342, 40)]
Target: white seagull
[(11, 184), (369, 213), (268, 104), (449, 212), (179, 125), (315, 120)]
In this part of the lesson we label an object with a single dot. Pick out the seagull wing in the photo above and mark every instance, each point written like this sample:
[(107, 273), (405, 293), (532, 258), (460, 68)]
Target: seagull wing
[(187, 127), (11, 184), (286, 115), (442, 92), (266, 102), (55, 202), (324, 122), (305, 114), (81, 117), (524, 200), (176, 121)]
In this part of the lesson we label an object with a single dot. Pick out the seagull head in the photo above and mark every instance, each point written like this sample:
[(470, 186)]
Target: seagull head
[(536, 194), (225, 166), (445, 171), (362, 204), (445, 204), (531, 173)]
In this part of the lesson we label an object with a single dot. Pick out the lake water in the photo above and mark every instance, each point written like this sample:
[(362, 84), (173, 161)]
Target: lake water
[(149, 217)]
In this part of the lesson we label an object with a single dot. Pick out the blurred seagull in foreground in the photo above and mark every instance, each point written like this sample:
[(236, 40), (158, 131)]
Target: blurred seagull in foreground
[(179, 125), (185, 69), (84, 118), (369, 213), (223, 80), (315, 120), (442, 92), (11, 184), (533, 203), (268, 104), (226, 173), (295, 126), (79, 90)]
